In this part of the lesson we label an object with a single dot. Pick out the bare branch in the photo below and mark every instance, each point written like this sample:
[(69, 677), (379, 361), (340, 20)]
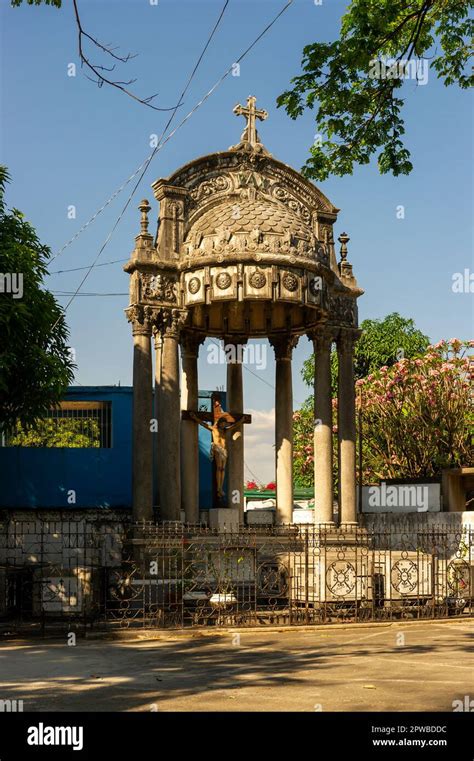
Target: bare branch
[(97, 69)]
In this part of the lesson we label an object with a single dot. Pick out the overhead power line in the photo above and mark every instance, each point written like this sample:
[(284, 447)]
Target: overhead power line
[(147, 161), (163, 142), (256, 375), (145, 164), (70, 293), (76, 269)]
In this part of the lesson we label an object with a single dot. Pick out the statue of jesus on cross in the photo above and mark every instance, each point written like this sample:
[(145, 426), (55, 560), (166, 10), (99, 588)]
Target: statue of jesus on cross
[(222, 424)]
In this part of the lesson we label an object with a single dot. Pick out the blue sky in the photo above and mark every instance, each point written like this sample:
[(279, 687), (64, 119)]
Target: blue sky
[(67, 142)]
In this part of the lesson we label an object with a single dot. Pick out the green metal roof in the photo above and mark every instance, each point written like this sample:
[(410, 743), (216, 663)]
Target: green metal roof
[(306, 493)]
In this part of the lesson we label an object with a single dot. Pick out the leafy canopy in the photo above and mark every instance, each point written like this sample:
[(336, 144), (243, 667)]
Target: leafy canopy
[(383, 342), (359, 102), (35, 361)]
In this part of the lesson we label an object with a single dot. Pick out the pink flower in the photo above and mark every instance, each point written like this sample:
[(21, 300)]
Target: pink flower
[(455, 344)]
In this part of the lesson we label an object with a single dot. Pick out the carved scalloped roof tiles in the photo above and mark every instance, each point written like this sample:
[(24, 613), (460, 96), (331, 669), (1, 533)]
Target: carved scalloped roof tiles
[(244, 215)]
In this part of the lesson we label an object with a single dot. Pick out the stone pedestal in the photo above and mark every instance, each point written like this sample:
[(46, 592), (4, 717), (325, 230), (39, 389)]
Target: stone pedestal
[(260, 517), (224, 519)]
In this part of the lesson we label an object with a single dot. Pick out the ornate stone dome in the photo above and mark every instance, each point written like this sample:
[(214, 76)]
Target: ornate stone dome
[(241, 224), (244, 246), (251, 213)]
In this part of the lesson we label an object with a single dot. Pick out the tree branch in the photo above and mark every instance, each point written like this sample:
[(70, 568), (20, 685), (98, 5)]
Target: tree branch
[(96, 69)]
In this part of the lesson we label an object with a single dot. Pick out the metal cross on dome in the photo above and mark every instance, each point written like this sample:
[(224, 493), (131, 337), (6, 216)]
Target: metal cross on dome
[(251, 113)]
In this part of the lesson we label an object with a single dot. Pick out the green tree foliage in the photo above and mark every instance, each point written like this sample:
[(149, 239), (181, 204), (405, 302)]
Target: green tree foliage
[(57, 432), (35, 362), (383, 342), (355, 82)]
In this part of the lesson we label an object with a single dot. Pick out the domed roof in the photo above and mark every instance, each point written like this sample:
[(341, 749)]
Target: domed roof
[(245, 214), (243, 201)]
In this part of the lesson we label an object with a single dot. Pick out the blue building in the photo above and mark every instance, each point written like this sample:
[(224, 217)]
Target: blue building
[(95, 473)]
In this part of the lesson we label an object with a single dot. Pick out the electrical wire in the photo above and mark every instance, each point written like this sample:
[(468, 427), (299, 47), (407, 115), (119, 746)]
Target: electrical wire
[(144, 165), (76, 269), (161, 144)]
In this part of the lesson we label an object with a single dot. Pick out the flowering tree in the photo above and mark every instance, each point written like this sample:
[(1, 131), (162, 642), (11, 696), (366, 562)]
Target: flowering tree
[(417, 415), (303, 444), (303, 452)]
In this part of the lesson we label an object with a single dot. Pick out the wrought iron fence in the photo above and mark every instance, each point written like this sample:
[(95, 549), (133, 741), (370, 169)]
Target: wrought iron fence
[(111, 575)]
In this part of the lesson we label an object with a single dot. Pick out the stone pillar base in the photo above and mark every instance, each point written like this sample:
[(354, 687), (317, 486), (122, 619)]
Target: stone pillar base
[(224, 519)]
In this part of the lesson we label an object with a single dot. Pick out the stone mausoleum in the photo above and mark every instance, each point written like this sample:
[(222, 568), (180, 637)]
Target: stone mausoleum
[(244, 250)]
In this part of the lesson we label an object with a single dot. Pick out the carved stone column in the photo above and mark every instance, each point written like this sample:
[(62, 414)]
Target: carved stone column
[(189, 429), (347, 426), (323, 475), (284, 427), (170, 417), (157, 450), (142, 447), (235, 403)]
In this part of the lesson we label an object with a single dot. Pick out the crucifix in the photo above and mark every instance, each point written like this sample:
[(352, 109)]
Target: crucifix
[(251, 113), (219, 423)]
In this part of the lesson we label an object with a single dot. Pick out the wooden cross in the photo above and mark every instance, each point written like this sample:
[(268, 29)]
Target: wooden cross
[(251, 113), (210, 420)]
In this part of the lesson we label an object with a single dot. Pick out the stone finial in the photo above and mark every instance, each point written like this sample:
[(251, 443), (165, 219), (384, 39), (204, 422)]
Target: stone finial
[(343, 240), (345, 269), (250, 135), (144, 208)]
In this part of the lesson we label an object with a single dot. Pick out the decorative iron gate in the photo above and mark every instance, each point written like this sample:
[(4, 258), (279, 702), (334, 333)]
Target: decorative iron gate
[(171, 576)]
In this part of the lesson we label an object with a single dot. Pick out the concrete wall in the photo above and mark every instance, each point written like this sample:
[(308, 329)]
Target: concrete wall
[(411, 522)]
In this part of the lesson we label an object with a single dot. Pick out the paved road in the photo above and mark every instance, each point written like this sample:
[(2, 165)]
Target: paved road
[(414, 667)]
